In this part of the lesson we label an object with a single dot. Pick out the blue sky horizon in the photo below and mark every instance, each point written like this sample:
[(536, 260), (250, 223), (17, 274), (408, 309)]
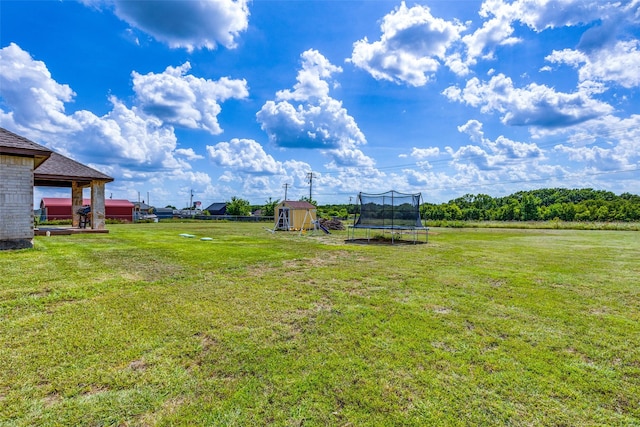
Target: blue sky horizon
[(236, 98)]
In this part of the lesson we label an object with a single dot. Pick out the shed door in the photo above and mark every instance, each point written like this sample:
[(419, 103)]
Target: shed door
[(283, 219)]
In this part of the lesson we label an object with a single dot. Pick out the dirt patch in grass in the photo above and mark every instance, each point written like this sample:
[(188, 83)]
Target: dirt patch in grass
[(291, 266), (138, 365), (52, 399), (168, 408)]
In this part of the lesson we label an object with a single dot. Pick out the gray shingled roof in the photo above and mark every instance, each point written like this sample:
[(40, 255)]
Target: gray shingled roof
[(58, 168), (217, 208), (11, 143), (52, 169)]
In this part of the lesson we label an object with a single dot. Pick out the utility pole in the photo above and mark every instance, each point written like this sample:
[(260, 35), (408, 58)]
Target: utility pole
[(286, 187), (310, 178)]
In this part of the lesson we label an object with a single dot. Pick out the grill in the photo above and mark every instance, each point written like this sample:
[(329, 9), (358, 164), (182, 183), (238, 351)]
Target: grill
[(85, 216)]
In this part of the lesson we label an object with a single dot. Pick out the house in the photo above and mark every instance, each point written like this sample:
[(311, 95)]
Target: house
[(217, 209), (143, 207), (143, 211), (25, 164), (295, 215), (53, 208), (164, 213)]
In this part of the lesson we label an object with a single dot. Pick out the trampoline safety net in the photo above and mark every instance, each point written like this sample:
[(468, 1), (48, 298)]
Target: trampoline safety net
[(389, 210)]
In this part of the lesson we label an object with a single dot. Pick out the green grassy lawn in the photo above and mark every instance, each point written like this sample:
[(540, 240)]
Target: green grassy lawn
[(479, 327)]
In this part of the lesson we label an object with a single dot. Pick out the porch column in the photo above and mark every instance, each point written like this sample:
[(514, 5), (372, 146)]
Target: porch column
[(76, 203), (97, 205)]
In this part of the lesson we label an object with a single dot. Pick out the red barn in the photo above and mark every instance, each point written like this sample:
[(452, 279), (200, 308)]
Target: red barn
[(60, 208)]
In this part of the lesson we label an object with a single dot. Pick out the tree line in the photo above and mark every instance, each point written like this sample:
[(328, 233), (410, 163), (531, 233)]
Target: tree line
[(539, 205), (546, 204)]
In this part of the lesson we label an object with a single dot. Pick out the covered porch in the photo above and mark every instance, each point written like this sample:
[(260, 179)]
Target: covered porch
[(63, 172)]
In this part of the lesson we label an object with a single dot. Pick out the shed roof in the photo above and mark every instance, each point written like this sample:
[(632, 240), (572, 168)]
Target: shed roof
[(11, 143), (298, 204)]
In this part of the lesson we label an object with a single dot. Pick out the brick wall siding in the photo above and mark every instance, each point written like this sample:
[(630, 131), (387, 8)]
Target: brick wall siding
[(16, 202)]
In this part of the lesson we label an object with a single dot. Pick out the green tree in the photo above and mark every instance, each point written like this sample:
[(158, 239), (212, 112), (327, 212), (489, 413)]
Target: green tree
[(530, 207), (602, 214), (509, 211), (452, 212), (238, 207), (306, 199), (269, 207), (543, 204)]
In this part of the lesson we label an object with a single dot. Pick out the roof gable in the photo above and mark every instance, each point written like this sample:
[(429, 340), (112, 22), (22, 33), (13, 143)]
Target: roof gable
[(13, 144), (51, 168)]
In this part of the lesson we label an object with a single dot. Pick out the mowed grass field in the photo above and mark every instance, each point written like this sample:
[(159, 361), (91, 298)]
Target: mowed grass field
[(478, 327)]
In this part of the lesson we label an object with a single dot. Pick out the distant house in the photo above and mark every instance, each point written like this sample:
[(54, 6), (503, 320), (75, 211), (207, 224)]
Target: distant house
[(295, 215), (54, 208), (217, 209), (25, 164), (141, 210), (164, 213), (143, 207)]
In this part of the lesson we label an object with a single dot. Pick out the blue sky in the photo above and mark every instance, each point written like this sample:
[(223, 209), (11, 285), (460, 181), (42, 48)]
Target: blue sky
[(233, 98)]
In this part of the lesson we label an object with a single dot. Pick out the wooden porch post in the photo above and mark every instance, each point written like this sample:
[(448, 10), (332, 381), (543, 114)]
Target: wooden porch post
[(76, 203), (97, 205)]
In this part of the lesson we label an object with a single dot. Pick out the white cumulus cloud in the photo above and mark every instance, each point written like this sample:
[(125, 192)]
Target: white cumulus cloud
[(618, 63), (539, 15), (312, 78), (609, 143), (425, 153), (533, 105), (36, 100), (181, 99), (126, 141), (188, 153), (189, 24), (245, 155), (307, 117), (412, 46)]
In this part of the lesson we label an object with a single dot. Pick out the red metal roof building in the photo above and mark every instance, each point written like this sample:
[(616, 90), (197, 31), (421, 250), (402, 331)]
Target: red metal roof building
[(60, 208)]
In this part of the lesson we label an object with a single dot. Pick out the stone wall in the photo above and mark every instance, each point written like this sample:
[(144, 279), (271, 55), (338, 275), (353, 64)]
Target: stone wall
[(16, 202)]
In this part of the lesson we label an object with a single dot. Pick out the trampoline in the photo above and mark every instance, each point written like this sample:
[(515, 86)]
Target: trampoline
[(391, 213)]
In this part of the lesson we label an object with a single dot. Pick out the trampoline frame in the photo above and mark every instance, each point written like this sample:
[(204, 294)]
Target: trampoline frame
[(394, 230)]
